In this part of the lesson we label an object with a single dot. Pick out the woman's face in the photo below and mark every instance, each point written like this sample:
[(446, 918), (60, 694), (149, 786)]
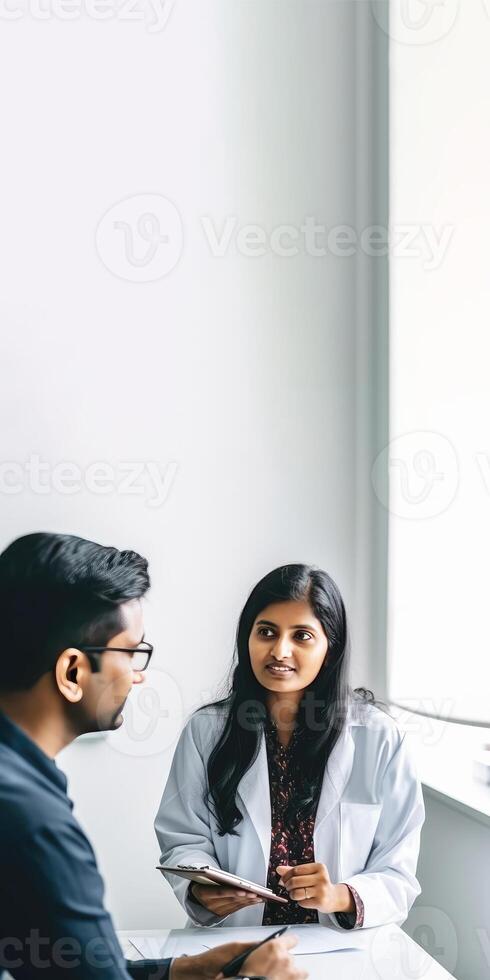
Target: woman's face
[(287, 646)]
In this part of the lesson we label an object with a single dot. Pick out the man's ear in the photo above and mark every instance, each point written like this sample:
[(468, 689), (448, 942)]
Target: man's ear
[(71, 670)]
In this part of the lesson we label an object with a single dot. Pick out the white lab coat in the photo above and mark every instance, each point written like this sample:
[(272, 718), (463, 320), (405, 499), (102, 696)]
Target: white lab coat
[(367, 828)]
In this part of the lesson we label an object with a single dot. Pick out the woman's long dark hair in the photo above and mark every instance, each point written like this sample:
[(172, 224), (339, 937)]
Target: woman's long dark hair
[(323, 710)]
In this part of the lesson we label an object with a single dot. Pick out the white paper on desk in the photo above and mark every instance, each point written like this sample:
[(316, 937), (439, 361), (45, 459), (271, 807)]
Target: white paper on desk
[(340, 964), (311, 939), (150, 947)]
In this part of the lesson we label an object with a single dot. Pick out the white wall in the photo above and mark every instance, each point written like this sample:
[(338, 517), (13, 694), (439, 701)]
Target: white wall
[(451, 917), (235, 375)]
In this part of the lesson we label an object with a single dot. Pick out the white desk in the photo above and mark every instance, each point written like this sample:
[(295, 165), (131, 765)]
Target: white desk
[(389, 955)]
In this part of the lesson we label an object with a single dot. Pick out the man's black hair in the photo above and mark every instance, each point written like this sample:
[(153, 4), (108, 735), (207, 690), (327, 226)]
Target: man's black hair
[(59, 591)]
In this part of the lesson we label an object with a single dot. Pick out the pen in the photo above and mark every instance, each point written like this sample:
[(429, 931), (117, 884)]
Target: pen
[(233, 967)]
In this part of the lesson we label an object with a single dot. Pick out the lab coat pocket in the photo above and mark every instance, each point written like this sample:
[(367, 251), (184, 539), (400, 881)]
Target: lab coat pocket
[(358, 823)]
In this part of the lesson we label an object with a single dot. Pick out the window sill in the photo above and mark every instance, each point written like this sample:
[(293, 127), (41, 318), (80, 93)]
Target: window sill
[(445, 753)]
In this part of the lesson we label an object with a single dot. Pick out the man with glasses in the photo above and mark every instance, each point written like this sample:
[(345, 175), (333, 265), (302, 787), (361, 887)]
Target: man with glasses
[(72, 648)]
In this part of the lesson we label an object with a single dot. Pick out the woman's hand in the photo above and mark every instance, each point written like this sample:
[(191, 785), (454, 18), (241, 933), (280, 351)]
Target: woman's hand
[(309, 885), (223, 900), (272, 960)]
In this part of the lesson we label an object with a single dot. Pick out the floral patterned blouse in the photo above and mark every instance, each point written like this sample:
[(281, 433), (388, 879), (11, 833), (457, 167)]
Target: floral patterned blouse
[(292, 844)]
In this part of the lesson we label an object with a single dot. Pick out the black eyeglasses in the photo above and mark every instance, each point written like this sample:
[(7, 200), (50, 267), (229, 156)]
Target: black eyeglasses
[(140, 656)]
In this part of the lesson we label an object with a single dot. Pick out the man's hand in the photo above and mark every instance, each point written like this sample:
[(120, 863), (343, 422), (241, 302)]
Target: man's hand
[(309, 885), (272, 960), (206, 965), (223, 900)]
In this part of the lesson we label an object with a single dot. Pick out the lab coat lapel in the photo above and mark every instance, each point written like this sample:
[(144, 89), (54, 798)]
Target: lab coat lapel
[(337, 772), (254, 792), (326, 835)]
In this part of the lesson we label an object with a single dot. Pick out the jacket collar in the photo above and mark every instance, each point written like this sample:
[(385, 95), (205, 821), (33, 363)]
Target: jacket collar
[(20, 743)]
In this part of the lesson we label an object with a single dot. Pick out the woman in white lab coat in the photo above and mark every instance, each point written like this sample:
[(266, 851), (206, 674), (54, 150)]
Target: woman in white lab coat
[(293, 780)]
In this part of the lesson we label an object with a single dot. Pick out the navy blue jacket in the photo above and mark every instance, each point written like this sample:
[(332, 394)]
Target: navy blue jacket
[(53, 923)]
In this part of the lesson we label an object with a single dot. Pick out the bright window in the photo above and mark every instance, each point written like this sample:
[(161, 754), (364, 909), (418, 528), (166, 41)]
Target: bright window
[(439, 453)]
